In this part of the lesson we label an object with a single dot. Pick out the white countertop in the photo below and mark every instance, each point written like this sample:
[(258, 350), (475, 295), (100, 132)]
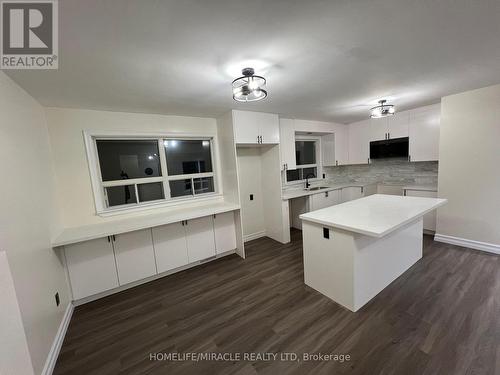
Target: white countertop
[(296, 193), (375, 215), (153, 218)]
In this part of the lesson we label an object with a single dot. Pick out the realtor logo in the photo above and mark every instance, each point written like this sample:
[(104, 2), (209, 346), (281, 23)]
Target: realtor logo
[(29, 35)]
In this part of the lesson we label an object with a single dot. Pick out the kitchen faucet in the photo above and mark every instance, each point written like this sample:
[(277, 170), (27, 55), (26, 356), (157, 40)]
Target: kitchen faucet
[(307, 179)]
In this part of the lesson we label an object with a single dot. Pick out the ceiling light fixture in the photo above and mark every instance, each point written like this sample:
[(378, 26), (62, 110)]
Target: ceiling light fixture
[(382, 110), (249, 87)]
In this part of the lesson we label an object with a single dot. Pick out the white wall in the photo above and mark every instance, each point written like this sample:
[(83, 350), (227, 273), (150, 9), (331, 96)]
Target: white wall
[(250, 181), (66, 128), (29, 217), (469, 165)]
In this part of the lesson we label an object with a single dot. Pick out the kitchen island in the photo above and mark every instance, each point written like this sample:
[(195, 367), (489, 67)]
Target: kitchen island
[(352, 251)]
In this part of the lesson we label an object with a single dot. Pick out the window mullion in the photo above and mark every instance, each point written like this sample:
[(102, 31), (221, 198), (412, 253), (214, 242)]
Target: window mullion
[(164, 170)]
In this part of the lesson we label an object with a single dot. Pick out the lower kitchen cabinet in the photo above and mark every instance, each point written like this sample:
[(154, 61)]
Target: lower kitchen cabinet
[(200, 238), (106, 263), (224, 232), (325, 199), (134, 254), (170, 246), (351, 193), (430, 218), (91, 267)]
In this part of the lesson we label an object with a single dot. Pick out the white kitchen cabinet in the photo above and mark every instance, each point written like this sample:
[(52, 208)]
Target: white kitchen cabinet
[(324, 199), (135, 258), (430, 218), (170, 246), (359, 142), (328, 150), (350, 193), (287, 144), (378, 129), (424, 133), (389, 127), (342, 145), (256, 127), (397, 125), (200, 238), (335, 147), (224, 232), (91, 267)]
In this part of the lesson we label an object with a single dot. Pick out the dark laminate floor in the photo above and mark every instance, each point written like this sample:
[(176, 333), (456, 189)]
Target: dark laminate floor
[(441, 317)]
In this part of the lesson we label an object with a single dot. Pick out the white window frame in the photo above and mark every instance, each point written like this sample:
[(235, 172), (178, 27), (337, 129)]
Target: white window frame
[(318, 165), (98, 186)]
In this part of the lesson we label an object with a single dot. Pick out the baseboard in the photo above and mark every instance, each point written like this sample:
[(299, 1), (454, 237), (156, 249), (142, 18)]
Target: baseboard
[(476, 245), (254, 236), (50, 363)]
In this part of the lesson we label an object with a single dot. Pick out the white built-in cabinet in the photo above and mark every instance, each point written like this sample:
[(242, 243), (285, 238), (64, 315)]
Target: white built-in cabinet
[(224, 232), (424, 133), (350, 193), (134, 256), (359, 142), (91, 267), (256, 127), (200, 238), (170, 246), (287, 144), (103, 264), (335, 147), (421, 125), (323, 200)]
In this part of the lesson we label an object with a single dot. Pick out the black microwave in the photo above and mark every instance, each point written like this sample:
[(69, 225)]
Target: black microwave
[(389, 148)]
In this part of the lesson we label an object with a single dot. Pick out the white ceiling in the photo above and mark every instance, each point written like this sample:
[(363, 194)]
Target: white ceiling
[(324, 59)]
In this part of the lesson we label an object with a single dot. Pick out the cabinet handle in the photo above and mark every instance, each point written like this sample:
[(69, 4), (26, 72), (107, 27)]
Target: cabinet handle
[(109, 240), (214, 216), (336, 162), (388, 135), (114, 238), (409, 157), (362, 189), (261, 139)]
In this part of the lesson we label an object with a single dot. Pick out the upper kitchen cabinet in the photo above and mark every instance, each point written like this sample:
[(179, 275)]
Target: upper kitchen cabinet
[(256, 128), (335, 147), (389, 127), (424, 133), (359, 140), (287, 144)]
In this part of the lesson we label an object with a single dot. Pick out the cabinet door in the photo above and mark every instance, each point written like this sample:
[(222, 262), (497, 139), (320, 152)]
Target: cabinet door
[(170, 246), (328, 150), (287, 143), (342, 145), (351, 193), (332, 198), (359, 142), (200, 238), (397, 125), (430, 218), (269, 128), (325, 199), (378, 129), (424, 133), (135, 257), (91, 267), (225, 232), (246, 127), (317, 201)]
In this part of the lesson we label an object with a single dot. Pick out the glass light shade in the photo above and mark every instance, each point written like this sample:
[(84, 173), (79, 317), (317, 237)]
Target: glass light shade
[(249, 87)]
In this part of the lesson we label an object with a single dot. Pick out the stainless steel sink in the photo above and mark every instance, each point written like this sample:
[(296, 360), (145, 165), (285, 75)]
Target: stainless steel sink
[(316, 188)]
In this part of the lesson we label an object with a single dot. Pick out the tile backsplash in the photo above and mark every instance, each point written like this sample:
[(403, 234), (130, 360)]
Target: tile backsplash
[(386, 171)]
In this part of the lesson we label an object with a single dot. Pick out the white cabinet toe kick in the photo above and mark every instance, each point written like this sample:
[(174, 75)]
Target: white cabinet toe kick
[(110, 264)]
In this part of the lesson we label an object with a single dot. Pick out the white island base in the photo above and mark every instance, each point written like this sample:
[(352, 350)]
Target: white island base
[(352, 268), (352, 251)]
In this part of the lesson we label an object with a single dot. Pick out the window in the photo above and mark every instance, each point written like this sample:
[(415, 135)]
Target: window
[(138, 172), (306, 155)]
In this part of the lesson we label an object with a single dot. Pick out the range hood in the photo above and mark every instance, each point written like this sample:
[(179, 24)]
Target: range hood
[(389, 148)]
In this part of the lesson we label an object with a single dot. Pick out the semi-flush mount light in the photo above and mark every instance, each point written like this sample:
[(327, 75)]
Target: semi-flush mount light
[(249, 87), (382, 110)]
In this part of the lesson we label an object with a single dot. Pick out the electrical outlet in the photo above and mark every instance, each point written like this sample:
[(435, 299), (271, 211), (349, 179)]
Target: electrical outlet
[(58, 301), (251, 197)]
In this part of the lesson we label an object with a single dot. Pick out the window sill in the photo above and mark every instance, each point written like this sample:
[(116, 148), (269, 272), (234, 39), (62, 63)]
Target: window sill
[(155, 205)]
